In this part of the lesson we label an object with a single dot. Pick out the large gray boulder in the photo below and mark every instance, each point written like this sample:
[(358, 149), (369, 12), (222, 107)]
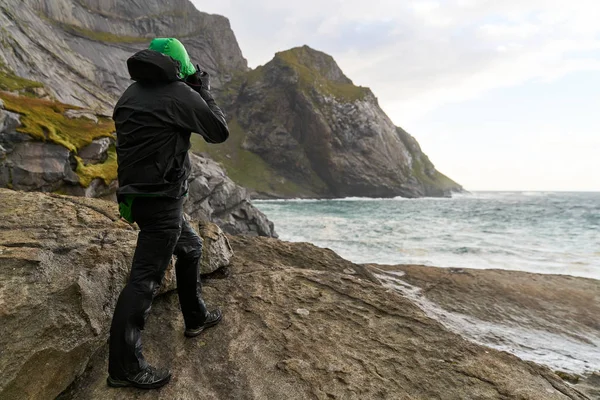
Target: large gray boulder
[(215, 197), (63, 262)]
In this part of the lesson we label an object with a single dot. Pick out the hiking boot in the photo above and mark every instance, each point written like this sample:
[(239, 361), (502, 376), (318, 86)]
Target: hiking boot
[(213, 318), (147, 378)]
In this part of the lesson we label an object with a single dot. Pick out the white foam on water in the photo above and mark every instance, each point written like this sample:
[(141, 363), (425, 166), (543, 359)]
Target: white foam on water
[(550, 233), (558, 352), (287, 201)]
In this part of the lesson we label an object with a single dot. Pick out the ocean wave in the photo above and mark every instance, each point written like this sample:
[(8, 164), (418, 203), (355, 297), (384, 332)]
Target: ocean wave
[(536, 194), (295, 200), (467, 250), (536, 232), (454, 196)]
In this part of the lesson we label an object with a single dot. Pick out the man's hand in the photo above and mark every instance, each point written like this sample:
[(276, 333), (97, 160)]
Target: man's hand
[(205, 79), (200, 78)]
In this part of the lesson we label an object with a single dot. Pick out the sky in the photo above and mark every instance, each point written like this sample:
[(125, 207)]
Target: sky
[(501, 94)]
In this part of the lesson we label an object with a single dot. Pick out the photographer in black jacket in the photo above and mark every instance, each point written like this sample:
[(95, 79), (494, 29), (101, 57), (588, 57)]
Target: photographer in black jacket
[(154, 119)]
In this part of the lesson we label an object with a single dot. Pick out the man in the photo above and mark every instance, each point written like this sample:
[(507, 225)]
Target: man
[(154, 120)]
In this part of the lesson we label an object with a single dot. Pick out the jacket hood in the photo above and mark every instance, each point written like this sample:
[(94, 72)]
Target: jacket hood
[(152, 66)]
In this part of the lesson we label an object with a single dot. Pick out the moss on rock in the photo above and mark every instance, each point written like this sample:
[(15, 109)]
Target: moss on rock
[(44, 120), (107, 171), (312, 78), (11, 82), (311, 74)]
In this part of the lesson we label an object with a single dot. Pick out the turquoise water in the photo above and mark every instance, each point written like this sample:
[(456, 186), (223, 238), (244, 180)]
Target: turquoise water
[(548, 232)]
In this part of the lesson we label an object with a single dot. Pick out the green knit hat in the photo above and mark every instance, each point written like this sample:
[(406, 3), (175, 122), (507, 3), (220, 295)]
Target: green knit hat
[(176, 50)]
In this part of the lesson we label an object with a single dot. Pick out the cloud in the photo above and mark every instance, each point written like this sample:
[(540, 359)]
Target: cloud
[(420, 55)]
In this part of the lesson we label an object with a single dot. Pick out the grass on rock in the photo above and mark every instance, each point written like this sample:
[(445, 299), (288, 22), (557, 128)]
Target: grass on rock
[(107, 171), (11, 82), (244, 167), (310, 78), (44, 120)]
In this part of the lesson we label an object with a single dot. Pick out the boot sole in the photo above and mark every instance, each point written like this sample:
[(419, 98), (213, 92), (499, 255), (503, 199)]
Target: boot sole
[(190, 333), (117, 383)]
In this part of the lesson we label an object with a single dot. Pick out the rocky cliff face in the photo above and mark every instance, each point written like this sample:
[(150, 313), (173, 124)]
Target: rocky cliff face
[(328, 137), (50, 146), (300, 322), (77, 48)]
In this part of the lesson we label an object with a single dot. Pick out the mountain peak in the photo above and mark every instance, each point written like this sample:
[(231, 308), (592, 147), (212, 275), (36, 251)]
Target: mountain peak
[(316, 60)]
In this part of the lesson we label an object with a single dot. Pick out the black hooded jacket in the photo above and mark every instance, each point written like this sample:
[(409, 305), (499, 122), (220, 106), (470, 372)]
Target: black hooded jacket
[(154, 120)]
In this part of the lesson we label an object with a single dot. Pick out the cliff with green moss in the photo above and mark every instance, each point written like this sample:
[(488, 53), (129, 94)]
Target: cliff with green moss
[(62, 67), (49, 146), (316, 134)]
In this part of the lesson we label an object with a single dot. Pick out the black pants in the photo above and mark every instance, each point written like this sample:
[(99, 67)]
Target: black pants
[(163, 232)]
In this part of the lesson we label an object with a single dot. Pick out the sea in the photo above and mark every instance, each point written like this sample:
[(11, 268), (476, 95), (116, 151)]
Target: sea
[(542, 232)]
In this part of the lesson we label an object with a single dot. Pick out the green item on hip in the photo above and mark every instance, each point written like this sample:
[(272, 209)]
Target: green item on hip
[(125, 208)]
